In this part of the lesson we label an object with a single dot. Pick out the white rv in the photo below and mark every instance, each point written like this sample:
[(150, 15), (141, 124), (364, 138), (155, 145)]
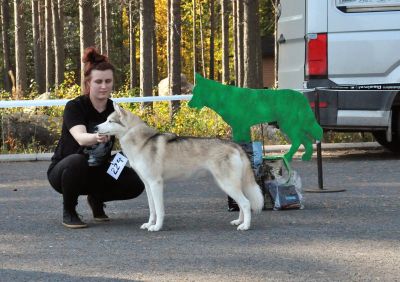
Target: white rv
[(350, 50)]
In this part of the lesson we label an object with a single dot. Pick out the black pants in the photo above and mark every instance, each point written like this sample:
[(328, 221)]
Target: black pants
[(73, 177)]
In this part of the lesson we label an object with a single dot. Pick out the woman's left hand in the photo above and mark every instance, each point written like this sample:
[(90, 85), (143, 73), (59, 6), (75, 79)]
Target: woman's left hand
[(102, 138)]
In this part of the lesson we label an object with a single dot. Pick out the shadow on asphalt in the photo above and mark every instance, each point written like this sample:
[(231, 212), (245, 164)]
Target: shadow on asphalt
[(26, 275)]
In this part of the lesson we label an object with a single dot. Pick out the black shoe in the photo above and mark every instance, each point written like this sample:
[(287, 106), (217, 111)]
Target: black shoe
[(71, 219), (97, 209), (232, 205)]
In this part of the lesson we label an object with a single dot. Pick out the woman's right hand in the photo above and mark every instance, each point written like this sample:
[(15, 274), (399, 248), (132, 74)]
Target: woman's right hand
[(87, 139)]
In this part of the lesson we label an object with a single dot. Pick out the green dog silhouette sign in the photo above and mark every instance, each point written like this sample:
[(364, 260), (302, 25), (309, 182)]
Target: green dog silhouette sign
[(242, 108)]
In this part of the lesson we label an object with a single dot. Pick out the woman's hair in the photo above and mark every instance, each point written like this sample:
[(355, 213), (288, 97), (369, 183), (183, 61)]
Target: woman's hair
[(93, 60)]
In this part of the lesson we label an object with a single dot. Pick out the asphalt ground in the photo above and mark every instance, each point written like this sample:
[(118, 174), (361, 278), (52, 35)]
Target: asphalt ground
[(348, 236)]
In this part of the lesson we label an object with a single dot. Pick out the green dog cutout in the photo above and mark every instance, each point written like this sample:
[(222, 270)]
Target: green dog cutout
[(242, 108)]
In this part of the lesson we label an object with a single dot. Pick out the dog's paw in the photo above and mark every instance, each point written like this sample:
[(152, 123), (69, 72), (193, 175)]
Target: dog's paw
[(146, 225), (236, 222), (243, 226), (154, 228)]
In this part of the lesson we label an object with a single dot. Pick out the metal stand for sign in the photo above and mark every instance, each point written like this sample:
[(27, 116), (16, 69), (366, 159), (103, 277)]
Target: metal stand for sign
[(320, 188)]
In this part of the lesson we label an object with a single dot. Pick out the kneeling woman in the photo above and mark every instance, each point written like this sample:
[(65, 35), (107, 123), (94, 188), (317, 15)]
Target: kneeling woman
[(81, 159)]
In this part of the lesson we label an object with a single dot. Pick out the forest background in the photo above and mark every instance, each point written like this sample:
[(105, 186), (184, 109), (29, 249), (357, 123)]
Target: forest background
[(42, 40), (147, 40)]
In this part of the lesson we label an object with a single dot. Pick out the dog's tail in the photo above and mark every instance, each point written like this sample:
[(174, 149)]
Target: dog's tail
[(250, 188)]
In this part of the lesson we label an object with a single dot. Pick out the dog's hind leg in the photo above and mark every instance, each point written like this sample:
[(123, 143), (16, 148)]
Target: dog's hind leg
[(157, 191), (228, 179), (234, 191), (152, 217), (308, 148), (239, 220)]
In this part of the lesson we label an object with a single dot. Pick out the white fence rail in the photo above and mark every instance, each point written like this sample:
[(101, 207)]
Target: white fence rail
[(62, 102)]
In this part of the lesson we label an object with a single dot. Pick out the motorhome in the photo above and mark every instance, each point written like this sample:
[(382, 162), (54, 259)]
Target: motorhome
[(349, 51)]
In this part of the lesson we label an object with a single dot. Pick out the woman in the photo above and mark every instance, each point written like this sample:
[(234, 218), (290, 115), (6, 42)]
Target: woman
[(81, 159)]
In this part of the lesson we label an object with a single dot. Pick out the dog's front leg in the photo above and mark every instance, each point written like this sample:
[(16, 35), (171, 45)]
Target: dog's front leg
[(157, 190), (152, 217)]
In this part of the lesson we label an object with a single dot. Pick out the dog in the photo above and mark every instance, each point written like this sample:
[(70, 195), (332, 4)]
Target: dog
[(242, 108), (157, 157)]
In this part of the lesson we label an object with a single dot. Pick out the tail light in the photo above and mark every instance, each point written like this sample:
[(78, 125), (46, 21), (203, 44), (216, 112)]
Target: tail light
[(321, 105), (317, 56)]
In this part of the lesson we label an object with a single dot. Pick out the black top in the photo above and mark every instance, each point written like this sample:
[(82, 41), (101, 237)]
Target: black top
[(81, 111)]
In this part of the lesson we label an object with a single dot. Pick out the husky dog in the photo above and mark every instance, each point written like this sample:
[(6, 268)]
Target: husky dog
[(157, 157)]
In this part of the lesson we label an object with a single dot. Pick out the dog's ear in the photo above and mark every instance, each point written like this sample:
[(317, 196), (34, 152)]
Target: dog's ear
[(120, 111)]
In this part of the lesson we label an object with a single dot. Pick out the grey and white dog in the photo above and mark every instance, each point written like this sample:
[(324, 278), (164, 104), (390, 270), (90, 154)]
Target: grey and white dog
[(158, 157)]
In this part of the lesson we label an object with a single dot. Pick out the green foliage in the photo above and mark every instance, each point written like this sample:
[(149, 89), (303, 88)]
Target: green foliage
[(186, 122), (346, 137)]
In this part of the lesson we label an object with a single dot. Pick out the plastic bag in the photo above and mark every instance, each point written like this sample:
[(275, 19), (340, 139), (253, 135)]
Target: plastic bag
[(284, 187), (286, 194)]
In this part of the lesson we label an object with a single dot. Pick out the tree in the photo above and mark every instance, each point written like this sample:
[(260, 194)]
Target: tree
[(58, 32), (212, 31), (249, 38), (42, 42), (102, 29), (20, 50), (132, 44), (235, 42), (49, 46), (37, 58), (259, 62), (194, 40), (240, 42), (104, 17), (86, 19), (146, 79), (154, 60), (169, 44), (107, 27), (175, 87), (203, 61), (5, 26), (225, 41)]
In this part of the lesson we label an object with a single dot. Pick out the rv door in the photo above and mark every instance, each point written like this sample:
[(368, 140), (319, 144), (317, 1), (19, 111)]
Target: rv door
[(291, 43)]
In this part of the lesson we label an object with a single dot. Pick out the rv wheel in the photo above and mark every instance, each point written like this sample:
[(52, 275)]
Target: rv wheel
[(380, 136)]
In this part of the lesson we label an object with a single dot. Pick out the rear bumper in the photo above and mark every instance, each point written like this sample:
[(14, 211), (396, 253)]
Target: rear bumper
[(354, 110)]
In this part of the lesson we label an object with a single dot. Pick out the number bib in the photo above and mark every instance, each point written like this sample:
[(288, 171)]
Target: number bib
[(117, 165)]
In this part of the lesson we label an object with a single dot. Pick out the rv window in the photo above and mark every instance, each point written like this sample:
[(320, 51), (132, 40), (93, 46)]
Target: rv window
[(358, 6)]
